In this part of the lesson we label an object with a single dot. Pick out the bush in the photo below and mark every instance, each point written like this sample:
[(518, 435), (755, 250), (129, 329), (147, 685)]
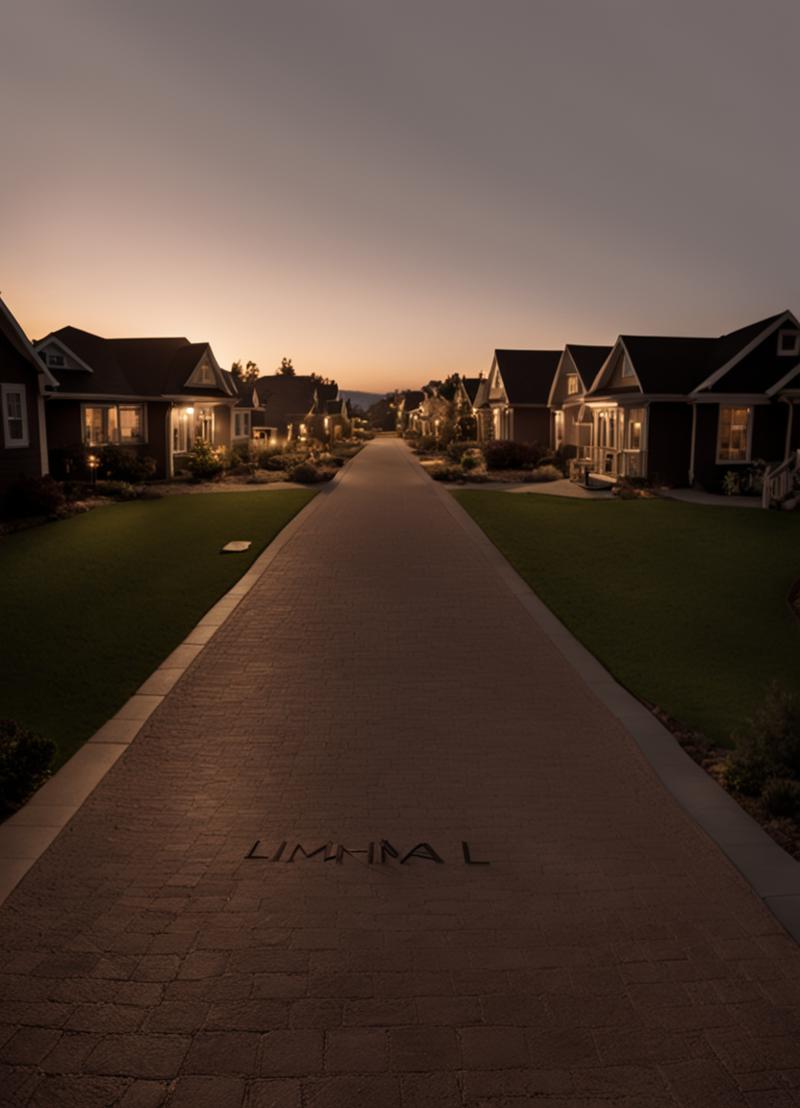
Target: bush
[(306, 473), (25, 759), (472, 460), (277, 458), (504, 454), (239, 456), (117, 490), (119, 464), (446, 473), (459, 447), (769, 746), (546, 473), (33, 496), (425, 444), (781, 798), (204, 462)]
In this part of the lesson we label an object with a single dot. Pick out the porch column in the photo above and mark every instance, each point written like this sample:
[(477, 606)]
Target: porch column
[(789, 423), (691, 450)]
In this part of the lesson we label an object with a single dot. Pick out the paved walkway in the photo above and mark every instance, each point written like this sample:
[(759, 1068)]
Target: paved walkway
[(382, 683)]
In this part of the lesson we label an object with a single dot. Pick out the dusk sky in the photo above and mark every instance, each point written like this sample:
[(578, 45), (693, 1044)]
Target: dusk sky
[(386, 191)]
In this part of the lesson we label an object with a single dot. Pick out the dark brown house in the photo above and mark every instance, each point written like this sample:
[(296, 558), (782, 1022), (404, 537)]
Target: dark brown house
[(685, 411), (152, 396), (517, 392), (291, 407), (23, 383)]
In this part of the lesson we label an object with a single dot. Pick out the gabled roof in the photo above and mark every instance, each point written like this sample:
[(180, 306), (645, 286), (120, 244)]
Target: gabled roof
[(20, 342), (665, 364), (736, 362), (246, 392), (148, 367), (527, 374), (588, 361), (471, 386), (284, 397), (412, 398)]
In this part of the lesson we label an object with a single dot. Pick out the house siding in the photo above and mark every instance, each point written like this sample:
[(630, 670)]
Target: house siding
[(20, 461), (65, 433), (531, 425), (767, 442), (669, 436)]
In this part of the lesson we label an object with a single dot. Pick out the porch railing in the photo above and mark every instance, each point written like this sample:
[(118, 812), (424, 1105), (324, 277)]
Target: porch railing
[(780, 481)]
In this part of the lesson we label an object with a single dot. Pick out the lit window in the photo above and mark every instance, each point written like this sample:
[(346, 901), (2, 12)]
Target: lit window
[(634, 432), (734, 434), (572, 384), (15, 416), (789, 343), (113, 423), (130, 423)]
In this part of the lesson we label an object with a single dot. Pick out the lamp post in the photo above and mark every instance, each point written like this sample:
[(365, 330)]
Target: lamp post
[(327, 430), (436, 423), (93, 462)]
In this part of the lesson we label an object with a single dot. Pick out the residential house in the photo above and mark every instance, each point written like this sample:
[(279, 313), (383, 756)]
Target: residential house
[(688, 410), (571, 419), (406, 406), (517, 392), (291, 407), (246, 404), (23, 383), (471, 403), (152, 396)]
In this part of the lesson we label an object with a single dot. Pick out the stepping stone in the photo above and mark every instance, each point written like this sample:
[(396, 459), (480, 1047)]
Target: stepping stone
[(236, 547)]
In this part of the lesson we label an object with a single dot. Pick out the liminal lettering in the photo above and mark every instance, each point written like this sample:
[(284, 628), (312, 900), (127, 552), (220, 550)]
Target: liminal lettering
[(377, 852)]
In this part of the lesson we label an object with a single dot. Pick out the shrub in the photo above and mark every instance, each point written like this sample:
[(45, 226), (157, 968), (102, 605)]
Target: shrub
[(25, 759), (204, 462), (781, 798), (731, 485), (117, 490), (425, 444), (119, 464), (446, 473), (33, 496), (545, 473), (306, 473), (769, 745), (459, 447), (504, 454), (239, 456), (277, 458), (472, 460)]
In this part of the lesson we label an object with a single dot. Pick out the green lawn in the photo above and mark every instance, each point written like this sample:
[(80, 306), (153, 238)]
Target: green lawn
[(685, 605), (93, 604)]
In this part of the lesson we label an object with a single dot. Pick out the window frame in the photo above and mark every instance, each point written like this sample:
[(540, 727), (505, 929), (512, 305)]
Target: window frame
[(572, 384), (114, 439), (720, 460), (783, 334), (8, 389)]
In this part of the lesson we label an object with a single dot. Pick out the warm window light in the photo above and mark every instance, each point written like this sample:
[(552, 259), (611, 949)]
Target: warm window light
[(189, 411)]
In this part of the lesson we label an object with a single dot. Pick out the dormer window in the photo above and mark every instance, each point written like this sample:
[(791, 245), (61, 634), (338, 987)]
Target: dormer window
[(205, 375), (789, 343), (572, 384), (56, 360)]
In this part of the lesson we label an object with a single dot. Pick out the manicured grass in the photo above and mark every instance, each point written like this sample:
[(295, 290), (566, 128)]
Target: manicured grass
[(685, 605), (93, 604)]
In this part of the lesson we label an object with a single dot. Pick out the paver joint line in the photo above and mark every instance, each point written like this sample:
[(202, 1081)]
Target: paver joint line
[(386, 684)]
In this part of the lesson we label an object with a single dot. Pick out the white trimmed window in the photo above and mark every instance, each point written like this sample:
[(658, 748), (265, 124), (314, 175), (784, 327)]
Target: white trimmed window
[(572, 384), (15, 416), (120, 424), (241, 425), (633, 429), (733, 444), (204, 375), (789, 343), (56, 360)]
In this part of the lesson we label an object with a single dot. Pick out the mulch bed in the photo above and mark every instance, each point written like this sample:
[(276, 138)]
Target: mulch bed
[(713, 760)]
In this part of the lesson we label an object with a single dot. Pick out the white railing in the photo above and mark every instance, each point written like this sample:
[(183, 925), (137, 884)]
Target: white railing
[(781, 480)]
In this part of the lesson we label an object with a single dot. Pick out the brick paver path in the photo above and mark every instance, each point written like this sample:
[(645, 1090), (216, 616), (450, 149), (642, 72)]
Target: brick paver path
[(381, 683)]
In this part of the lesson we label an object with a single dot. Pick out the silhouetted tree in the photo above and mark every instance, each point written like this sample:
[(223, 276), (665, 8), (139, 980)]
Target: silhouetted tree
[(245, 374), (286, 367)]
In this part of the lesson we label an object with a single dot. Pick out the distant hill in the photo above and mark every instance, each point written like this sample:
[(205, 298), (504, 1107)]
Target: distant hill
[(361, 399)]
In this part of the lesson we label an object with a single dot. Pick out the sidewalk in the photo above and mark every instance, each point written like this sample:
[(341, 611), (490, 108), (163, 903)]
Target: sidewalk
[(382, 685)]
